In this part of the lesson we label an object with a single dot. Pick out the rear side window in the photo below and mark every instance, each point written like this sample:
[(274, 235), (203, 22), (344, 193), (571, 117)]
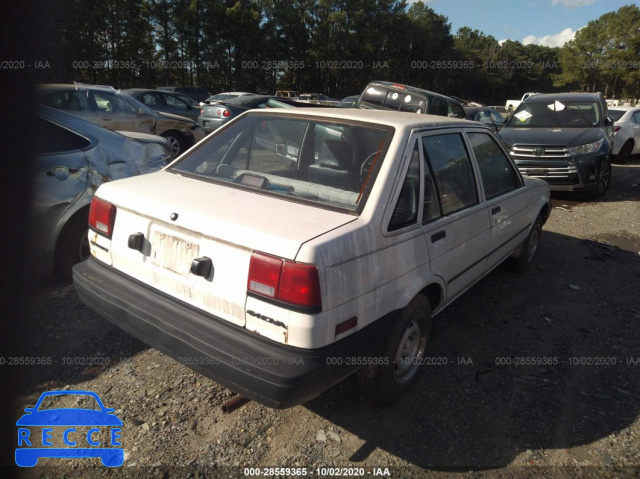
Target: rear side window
[(498, 175), (451, 166), (405, 212), (51, 138), (67, 100)]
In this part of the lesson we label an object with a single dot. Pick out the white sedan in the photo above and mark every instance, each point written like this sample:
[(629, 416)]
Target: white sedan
[(626, 140), (295, 247)]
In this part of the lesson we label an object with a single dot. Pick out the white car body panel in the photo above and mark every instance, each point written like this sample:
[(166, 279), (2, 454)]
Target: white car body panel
[(629, 129), (365, 271)]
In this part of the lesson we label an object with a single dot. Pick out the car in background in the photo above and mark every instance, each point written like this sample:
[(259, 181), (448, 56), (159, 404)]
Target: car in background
[(317, 98), (73, 158), (118, 111), (487, 116), (563, 138), (382, 95), (288, 93), (214, 116), (626, 139), (348, 102), (295, 240), (212, 100), (166, 102), (197, 93)]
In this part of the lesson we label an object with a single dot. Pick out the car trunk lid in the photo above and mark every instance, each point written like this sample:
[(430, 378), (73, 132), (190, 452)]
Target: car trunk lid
[(183, 219)]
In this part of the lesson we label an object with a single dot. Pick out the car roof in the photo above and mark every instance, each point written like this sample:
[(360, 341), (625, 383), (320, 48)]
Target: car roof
[(380, 117), (546, 97), (400, 86)]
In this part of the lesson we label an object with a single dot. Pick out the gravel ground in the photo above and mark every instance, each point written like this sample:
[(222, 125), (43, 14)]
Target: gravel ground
[(533, 375)]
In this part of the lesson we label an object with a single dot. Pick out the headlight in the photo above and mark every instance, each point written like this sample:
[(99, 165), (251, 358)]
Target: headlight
[(588, 148)]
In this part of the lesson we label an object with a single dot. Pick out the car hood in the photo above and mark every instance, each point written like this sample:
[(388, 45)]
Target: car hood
[(69, 417), (550, 136)]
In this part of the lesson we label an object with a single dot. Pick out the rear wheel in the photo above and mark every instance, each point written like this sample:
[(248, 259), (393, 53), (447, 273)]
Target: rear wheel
[(73, 246), (529, 248), (401, 356)]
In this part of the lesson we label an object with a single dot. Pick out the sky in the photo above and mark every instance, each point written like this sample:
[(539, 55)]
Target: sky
[(543, 22)]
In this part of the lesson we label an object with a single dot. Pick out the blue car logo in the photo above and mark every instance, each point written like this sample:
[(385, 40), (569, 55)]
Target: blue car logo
[(68, 425)]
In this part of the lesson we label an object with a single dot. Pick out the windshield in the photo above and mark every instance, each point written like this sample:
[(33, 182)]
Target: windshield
[(556, 114), (312, 160)]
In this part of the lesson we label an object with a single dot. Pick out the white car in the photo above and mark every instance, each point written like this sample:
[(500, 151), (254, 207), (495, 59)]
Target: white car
[(626, 139), (294, 247)]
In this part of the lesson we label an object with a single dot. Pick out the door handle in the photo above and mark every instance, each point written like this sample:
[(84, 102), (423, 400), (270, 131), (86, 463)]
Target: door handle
[(438, 236), (496, 210)]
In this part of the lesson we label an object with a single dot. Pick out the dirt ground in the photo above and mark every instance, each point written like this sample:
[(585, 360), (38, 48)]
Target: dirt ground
[(537, 375)]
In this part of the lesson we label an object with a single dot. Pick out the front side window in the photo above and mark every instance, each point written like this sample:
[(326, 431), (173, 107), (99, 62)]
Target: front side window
[(454, 110), (450, 164), (498, 175), (310, 160), (175, 102)]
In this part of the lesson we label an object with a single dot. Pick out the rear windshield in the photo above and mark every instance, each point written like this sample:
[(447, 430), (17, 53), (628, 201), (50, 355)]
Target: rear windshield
[(321, 161), (616, 114), (391, 99), (556, 114)]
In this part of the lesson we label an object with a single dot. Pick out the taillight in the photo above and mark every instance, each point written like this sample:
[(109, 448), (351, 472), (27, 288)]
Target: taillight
[(616, 129), (226, 113), (102, 216), (292, 283), (202, 112)]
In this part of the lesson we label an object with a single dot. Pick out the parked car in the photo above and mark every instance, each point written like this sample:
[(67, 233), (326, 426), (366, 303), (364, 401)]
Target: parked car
[(317, 98), (382, 95), (74, 157), (489, 117), (626, 138), (214, 116), (120, 112), (348, 102), (288, 93), (212, 100), (341, 233), (195, 92), (563, 138), (166, 102)]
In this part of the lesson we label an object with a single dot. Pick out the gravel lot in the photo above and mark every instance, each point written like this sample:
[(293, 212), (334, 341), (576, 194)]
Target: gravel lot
[(536, 374)]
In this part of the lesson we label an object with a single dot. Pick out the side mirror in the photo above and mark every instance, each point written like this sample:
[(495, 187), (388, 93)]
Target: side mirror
[(608, 121)]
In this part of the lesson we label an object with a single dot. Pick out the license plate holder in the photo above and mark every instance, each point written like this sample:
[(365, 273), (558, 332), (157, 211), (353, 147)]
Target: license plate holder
[(173, 253)]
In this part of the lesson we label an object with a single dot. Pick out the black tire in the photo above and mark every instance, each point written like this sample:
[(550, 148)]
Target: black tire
[(529, 248), (603, 179), (402, 354), (73, 245), (176, 142), (624, 155)]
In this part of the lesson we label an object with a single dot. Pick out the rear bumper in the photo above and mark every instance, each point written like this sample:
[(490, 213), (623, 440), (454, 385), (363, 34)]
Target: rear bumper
[(272, 374)]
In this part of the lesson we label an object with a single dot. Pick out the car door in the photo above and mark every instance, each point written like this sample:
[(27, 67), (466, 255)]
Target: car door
[(114, 113), (509, 204), (60, 171), (455, 221)]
